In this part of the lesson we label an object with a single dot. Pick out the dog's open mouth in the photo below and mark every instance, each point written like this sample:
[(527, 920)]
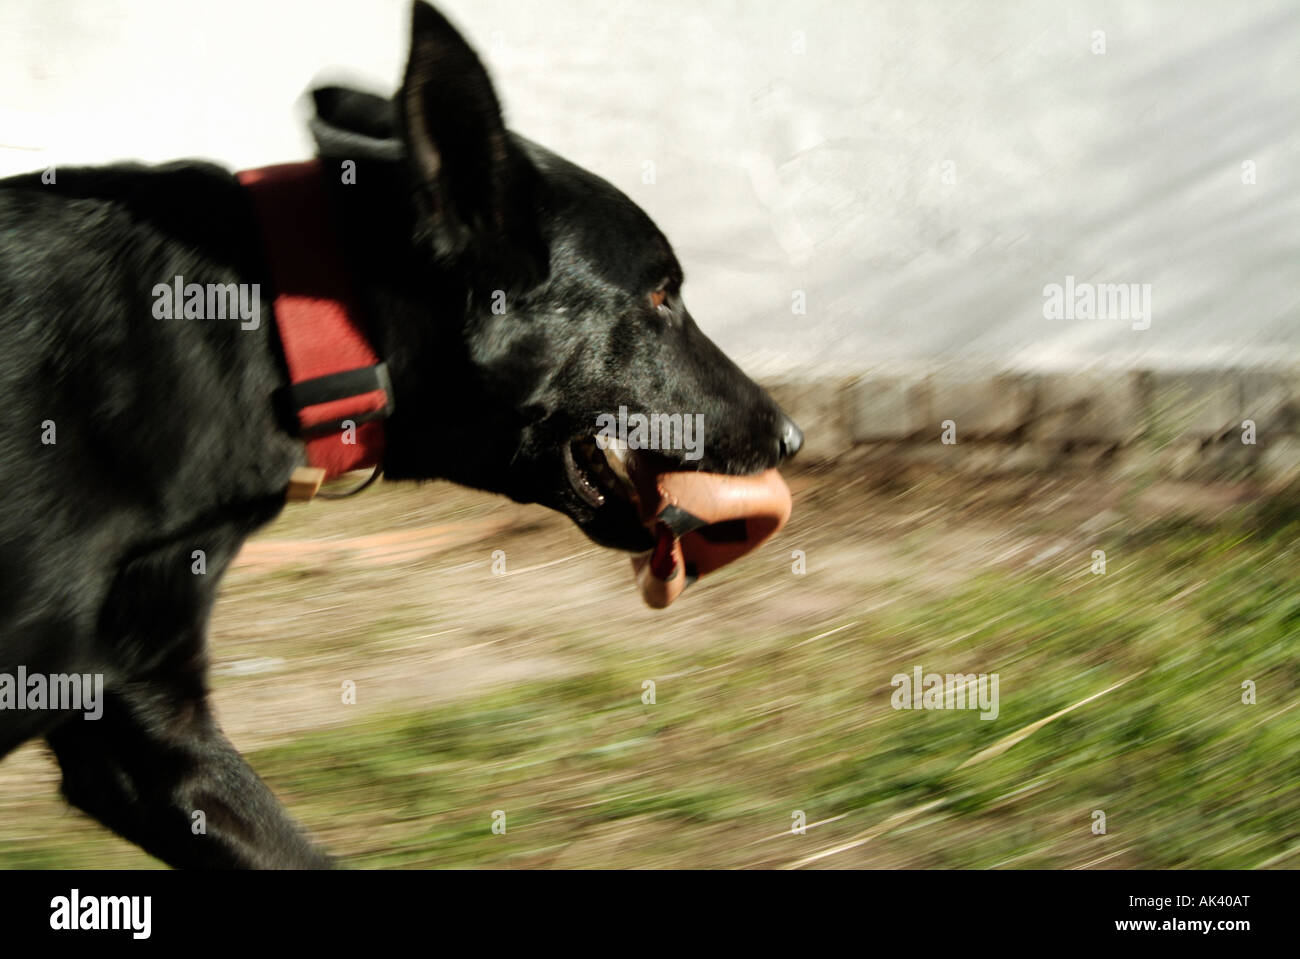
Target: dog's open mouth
[(700, 521), (594, 476)]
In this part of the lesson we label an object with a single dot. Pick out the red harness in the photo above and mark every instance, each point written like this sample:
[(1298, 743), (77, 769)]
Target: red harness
[(340, 391)]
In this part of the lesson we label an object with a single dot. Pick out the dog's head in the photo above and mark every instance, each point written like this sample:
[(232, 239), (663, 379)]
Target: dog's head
[(550, 317)]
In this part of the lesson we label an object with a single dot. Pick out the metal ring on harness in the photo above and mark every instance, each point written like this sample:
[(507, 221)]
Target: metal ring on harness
[(355, 490)]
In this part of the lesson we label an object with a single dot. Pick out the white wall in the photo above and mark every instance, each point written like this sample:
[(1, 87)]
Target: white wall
[(779, 170)]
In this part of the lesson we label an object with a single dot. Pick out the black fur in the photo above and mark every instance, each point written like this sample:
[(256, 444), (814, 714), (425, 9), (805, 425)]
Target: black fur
[(167, 440)]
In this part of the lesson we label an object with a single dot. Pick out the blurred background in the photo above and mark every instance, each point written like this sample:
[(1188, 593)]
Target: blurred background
[(920, 170), (868, 199)]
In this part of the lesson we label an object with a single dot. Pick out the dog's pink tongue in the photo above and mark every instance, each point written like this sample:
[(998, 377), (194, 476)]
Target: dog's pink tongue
[(702, 522)]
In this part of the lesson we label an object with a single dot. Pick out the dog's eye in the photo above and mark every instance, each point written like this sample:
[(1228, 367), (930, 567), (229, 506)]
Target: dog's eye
[(659, 300)]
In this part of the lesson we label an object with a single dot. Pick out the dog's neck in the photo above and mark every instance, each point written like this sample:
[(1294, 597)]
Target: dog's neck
[(339, 394)]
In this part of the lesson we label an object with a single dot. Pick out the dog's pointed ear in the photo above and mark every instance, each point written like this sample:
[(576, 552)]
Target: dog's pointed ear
[(472, 185)]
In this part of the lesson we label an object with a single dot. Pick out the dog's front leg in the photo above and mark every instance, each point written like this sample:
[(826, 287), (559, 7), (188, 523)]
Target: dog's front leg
[(156, 770), (154, 766)]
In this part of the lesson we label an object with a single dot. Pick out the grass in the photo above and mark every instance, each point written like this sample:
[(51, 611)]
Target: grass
[(1186, 774), (747, 729)]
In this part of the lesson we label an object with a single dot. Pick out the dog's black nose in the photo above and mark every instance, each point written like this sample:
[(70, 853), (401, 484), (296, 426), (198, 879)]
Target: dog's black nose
[(791, 437)]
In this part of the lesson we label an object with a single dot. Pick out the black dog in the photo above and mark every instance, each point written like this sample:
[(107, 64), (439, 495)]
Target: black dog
[(132, 441)]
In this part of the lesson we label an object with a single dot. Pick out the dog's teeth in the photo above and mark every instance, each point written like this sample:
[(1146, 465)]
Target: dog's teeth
[(579, 481), (616, 456), (611, 444)]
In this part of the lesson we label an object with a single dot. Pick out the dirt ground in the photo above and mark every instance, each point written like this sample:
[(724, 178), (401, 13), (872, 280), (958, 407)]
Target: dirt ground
[(396, 591)]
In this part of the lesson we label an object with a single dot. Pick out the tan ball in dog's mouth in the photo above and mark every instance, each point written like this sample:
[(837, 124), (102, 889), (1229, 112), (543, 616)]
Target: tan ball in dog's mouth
[(700, 521)]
